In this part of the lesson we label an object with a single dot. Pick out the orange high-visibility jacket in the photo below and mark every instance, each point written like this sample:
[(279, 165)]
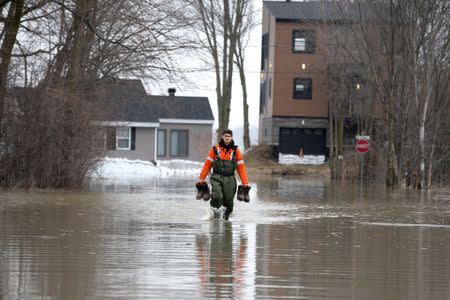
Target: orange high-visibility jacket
[(225, 156)]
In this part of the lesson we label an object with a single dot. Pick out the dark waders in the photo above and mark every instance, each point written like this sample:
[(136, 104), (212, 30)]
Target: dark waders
[(223, 182)]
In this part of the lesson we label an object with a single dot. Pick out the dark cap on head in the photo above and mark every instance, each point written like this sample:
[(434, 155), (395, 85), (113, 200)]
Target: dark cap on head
[(227, 131)]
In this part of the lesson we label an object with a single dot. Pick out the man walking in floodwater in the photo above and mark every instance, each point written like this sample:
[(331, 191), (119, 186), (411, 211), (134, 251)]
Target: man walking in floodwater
[(225, 158)]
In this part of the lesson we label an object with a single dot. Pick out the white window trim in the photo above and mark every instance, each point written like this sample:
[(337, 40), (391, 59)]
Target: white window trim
[(125, 124), (118, 137), (155, 153)]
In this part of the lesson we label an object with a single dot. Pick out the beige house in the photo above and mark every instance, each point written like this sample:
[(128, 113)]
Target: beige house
[(147, 127)]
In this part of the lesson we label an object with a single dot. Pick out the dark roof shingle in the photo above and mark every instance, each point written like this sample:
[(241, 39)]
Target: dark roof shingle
[(127, 101), (317, 11)]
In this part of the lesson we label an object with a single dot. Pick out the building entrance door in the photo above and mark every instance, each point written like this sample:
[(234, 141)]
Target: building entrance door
[(311, 140)]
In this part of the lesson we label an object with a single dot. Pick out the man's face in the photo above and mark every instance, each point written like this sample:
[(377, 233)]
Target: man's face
[(227, 138)]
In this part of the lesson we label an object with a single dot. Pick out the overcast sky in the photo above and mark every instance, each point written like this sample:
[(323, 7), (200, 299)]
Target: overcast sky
[(205, 81)]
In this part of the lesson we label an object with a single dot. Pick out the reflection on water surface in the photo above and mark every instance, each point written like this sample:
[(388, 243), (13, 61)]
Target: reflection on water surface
[(295, 239)]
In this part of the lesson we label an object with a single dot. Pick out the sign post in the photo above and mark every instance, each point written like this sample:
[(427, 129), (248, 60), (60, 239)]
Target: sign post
[(362, 146), (340, 157)]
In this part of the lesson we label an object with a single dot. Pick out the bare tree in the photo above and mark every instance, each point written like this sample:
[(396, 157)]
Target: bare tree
[(37, 152), (439, 129), (71, 44), (10, 25), (114, 38), (218, 29), (402, 47), (247, 25), (425, 26)]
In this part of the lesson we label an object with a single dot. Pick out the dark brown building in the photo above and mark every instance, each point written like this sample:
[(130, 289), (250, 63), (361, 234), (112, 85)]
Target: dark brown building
[(293, 96)]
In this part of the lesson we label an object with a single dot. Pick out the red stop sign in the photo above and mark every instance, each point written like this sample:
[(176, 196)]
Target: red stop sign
[(362, 146)]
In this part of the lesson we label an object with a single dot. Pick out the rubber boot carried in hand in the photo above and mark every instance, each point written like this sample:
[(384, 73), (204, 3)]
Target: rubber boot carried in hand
[(240, 192), (199, 187), (206, 192), (202, 190), (246, 195)]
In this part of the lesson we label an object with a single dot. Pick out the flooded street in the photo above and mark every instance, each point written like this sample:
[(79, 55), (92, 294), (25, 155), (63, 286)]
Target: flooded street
[(296, 239)]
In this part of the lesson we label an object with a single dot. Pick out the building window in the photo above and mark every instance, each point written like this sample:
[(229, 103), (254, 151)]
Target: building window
[(179, 143), (264, 49), (161, 146), (270, 87), (302, 88), (303, 41), (262, 96), (123, 138), (300, 44)]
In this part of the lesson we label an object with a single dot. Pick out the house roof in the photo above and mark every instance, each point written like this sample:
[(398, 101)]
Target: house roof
[(127, 100), (182, 107), (317, 11)]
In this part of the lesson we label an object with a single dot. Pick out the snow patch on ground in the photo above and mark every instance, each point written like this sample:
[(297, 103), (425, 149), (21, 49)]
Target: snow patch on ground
[(179, 166), (292, 159), (125, 168)]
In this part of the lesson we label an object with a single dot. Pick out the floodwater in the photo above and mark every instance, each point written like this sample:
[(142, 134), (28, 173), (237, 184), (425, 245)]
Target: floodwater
[(296, 239)]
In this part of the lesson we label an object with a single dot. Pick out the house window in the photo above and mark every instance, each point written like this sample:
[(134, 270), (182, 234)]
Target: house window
[(123, 138), (161, 142), (303, 41), (179, 143), (302, 88)]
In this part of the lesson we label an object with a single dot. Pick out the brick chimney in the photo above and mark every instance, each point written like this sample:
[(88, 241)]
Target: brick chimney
[(172, 91)]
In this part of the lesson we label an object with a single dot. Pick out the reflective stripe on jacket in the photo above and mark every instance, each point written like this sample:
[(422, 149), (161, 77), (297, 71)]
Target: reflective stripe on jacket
[(225, 156)]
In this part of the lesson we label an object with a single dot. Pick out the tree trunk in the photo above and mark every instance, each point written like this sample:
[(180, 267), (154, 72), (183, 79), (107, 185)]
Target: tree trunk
[(227, 17), (331, 138), (245, 105), (393, 162), (338, 171), (9, 33), (340, 136), (81, 41), (431, 156), (240, 66)]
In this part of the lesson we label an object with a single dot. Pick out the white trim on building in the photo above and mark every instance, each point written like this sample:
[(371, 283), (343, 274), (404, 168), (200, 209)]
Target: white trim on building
[(186, 121), (155, 155), (123, 135), (127, 124)]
